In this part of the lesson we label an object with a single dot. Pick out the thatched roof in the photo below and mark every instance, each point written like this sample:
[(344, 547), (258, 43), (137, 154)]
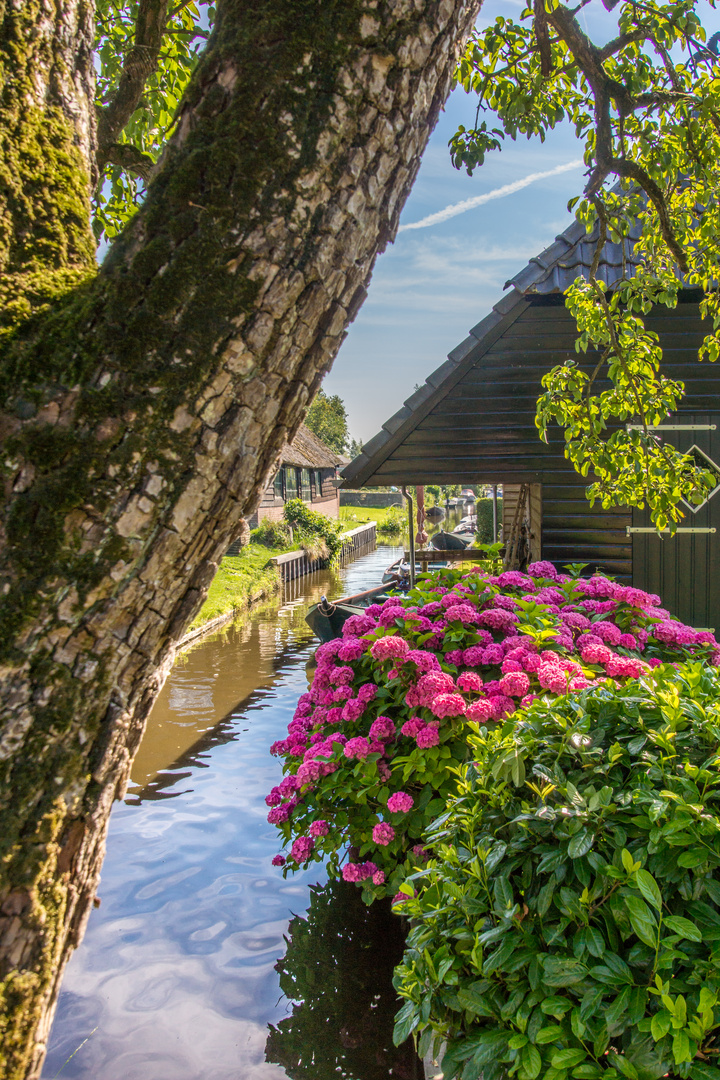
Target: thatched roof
[(306, 451)]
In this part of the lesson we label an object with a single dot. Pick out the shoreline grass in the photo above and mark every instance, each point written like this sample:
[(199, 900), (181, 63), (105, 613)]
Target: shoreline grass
[(239, 580)]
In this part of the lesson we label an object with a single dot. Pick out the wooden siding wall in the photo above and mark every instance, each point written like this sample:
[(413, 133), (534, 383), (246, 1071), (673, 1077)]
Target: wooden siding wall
[(483, 430)]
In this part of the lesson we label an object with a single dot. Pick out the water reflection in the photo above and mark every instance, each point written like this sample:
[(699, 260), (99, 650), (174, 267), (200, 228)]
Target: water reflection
[(338, 969), (219, 678), (176, 978)]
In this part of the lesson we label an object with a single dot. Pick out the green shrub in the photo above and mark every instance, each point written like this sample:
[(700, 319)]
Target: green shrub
[(394, 522), (274, 534), (484, 510), (317, 534), (570, 924)]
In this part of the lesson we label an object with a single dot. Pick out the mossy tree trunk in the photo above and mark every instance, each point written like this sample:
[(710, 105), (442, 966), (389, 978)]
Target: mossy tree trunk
[(143, 406)]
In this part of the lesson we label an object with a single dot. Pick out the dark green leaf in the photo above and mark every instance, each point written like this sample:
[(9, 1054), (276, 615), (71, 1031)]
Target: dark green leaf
[(684, 927)]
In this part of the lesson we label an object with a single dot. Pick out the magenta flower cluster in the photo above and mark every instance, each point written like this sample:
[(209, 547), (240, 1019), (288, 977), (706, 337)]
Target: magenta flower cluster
[(406, 678)]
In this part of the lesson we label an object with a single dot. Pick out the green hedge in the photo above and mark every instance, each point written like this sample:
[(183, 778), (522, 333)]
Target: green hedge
[(570, 923)]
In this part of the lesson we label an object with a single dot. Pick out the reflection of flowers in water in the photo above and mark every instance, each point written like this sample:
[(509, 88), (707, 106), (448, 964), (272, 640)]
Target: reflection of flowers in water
[(338, 971)]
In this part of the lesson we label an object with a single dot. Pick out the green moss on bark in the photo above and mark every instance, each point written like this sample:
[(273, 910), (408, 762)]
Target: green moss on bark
[(46, 246)]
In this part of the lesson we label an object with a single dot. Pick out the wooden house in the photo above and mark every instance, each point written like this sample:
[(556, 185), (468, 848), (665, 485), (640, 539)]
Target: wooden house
[(472, 422), (307, 470)]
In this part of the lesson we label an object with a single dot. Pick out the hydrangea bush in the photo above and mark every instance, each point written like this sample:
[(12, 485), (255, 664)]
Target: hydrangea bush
[(373, 750), (569, 925)]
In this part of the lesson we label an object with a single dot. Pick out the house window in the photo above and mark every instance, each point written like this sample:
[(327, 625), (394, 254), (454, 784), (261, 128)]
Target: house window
[(278, 485), (318, 483), (305, 491), (291, 489)]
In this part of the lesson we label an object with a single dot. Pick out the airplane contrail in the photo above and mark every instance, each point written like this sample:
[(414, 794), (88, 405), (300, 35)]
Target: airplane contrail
[(478, 200)]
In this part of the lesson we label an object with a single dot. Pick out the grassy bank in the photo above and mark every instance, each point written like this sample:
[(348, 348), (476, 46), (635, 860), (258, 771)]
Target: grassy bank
[(352, 516), (239, 579)]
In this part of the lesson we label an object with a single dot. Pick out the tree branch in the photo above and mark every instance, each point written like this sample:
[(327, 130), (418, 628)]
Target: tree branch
[(140, 63), (605, 89), (132, 160), (542, 37)]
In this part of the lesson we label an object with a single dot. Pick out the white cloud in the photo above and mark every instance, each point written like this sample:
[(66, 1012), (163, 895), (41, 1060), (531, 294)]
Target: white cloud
[(454, 209)]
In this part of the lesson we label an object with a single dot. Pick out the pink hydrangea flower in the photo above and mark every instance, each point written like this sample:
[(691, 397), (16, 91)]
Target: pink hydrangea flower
[(358, 747), (379, 877), (607, 632), (480, 711), (502, 706), (447, 705), (542, 570), (279, 860), (389, 648), (497, 619), (352, 710), (400, 803), (469, 682), (302, 848), (319, 828), (351, 649), (473, 656), (625, 667), (352, 872), (515, 684), (383, 833), (382, 728), (596, 654), (428, 736), (412, 726), (463, 613), (455, 656)]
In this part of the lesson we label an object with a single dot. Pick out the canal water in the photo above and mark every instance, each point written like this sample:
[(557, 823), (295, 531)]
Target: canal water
[(203, 962)]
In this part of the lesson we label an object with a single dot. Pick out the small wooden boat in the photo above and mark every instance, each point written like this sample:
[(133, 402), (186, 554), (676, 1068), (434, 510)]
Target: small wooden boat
[(326, 619), (444, 541), (435, 513)]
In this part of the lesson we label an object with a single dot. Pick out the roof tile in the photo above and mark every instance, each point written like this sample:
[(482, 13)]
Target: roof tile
[(479, 331)]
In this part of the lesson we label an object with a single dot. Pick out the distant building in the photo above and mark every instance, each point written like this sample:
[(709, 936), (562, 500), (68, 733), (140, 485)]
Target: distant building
[(308, 471)]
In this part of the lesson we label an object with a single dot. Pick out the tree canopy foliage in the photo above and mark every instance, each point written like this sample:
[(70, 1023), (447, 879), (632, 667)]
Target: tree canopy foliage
[(646, 105), (146, 53), (327, 418)]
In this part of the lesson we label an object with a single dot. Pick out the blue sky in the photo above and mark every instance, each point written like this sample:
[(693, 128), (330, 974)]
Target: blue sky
[(434, 283)]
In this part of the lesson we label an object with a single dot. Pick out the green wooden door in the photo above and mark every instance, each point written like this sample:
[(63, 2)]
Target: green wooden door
[(684, 570)]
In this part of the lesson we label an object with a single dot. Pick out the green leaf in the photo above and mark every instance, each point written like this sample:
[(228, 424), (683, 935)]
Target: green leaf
[(701, 1071), (683, 927), (660, 1025), (642, 920), (556, 1006), (692, 858), (594, 941), (681, 1048), (549, 1034), (621, 1063), (649, 888), (531, 1062), (580, 844), (559, 972), (567, 1059)]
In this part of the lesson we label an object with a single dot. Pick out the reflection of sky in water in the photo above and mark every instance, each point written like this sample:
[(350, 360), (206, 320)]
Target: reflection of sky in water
[(176, 971)]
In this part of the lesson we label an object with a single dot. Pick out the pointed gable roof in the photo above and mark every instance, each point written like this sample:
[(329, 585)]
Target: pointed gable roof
[(549, 273)]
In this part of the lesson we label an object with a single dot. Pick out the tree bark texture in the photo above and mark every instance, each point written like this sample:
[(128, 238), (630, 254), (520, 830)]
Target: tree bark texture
[(145, 407)]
